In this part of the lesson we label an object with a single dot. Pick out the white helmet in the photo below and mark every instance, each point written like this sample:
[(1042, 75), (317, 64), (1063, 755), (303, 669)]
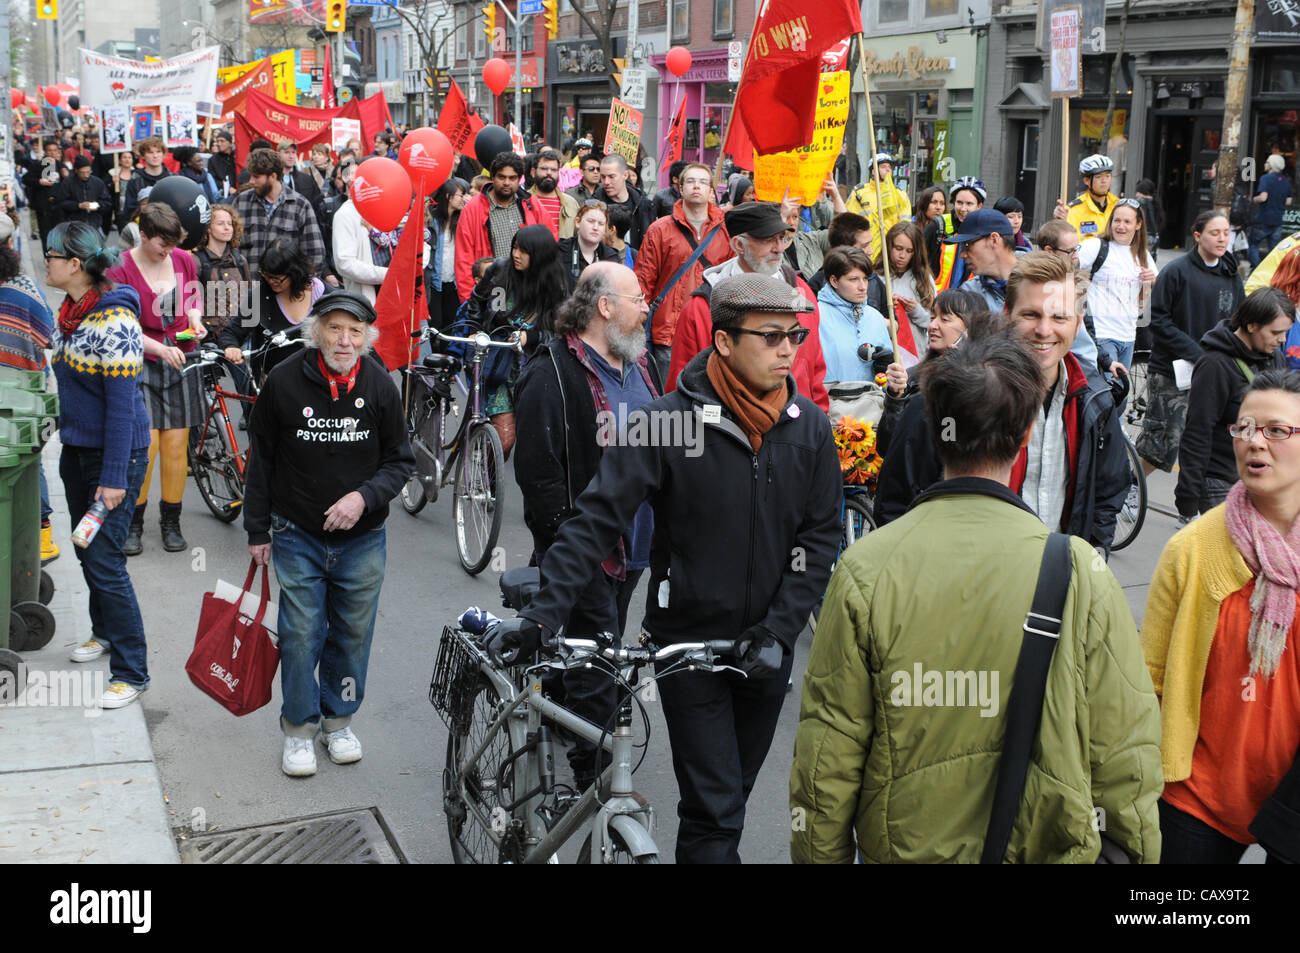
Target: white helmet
[(882, 157), (1096, 163)]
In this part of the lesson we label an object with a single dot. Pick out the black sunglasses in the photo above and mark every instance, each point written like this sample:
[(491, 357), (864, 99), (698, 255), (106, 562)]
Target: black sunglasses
[(795, 336), (51, 256)]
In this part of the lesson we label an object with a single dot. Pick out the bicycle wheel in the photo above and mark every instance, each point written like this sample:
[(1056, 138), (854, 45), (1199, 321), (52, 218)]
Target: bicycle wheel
[(476, 503), (214, 470), (621, 853), (1136, 408), (472, 803), (1128, 522), (858, 521)]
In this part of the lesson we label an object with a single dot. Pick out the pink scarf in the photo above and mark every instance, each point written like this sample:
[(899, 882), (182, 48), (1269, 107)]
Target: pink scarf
[(1275, 560)]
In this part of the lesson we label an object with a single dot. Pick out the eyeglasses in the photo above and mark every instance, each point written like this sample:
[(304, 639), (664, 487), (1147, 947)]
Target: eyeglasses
[(273, 278), (639, 299), (51, 256), (795, 336), (1271, 432)]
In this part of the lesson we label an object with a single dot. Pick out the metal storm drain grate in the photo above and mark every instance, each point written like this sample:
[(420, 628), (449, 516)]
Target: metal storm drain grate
[(342, 837)]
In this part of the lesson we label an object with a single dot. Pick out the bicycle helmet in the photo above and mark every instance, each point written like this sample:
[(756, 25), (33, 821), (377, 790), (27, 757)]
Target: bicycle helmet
[(968, 182), (882, 157), (1096, 163)]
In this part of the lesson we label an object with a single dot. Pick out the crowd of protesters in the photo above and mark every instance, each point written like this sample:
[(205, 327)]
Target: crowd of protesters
[(998, 357)]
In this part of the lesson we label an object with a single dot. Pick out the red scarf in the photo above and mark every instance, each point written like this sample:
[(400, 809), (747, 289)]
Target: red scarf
[(346, 380), (72, 313)]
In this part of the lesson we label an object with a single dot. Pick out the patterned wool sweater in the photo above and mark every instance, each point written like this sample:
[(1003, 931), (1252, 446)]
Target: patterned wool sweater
[(25, 324), (98, 369)]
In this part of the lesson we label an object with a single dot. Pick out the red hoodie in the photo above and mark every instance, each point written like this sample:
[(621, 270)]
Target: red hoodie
[(473, 240), (695, 332)]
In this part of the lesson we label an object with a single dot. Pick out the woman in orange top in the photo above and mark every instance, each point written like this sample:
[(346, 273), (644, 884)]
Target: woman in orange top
[(1219, 639)]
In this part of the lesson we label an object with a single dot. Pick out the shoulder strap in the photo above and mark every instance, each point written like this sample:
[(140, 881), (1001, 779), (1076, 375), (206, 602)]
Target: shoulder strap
[(677, 275), (1042, 630), (1100, 260), (1245, 369)]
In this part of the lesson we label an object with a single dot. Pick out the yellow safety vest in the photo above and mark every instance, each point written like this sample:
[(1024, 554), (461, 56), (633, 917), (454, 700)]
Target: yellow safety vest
[(947, 256)]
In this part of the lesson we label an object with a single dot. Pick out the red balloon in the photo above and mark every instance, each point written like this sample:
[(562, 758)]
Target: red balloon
[(381, 191), (51, 95), (16, 97), (426, 155), (678, 60), (496, 73)]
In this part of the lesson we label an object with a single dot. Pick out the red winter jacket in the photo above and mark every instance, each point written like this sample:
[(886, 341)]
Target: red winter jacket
[(663, 250), (695, 333), (473, 240)]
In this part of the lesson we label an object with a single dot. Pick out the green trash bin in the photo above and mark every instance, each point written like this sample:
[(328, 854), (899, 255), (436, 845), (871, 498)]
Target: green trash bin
[(27, 623)]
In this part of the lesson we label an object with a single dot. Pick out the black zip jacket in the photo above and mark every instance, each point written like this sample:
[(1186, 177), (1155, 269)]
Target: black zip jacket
[(574, 264), (1189, 298), (221, 165), (71, 192), (140, 179), (1102, 477), (641, 208), (1218, 386), (309, 450), (556, 453), (740, 539)]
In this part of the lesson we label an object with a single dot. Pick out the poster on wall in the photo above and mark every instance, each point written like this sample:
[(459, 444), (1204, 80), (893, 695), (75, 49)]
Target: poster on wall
[(804, 170), (182, 125), (1067, 55), (115, 128), (1277, 20)]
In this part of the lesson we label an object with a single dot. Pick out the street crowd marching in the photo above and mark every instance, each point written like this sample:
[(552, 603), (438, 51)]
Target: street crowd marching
[(988, 374)]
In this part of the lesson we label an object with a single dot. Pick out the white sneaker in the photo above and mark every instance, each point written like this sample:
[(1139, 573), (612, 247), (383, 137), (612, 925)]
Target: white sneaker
[(118, 695), (343, 745), (299, 760), (87, 651)]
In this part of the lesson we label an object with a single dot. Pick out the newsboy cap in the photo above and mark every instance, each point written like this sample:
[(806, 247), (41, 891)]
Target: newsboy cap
[(732, 298), (759, 219)]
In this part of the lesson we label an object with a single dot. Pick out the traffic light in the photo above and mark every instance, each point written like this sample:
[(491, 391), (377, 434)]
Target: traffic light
[(552, 18), (47, 9), (490, 23), (335, 15), (618, 70)]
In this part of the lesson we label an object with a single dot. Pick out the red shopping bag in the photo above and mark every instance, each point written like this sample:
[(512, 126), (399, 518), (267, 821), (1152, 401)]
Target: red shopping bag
[(234, 659)]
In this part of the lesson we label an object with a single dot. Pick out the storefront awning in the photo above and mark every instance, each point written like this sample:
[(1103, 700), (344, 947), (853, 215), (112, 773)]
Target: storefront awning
[(1027, 96)]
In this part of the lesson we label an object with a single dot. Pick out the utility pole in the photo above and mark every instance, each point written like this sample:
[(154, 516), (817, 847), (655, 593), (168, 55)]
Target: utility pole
[(6, 69), (1225, 179)]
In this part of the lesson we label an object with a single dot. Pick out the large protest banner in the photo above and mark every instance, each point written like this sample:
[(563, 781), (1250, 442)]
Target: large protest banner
[(273, 76), (804, 170), (623, 134), (267, 118), (108, 80)]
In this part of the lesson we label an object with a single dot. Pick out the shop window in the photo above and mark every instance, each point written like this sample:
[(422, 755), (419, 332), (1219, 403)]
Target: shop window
[(723, 18), (462, 19), (480, 44), (893, 11), (681, 19), (940, 8), (1282, 73)]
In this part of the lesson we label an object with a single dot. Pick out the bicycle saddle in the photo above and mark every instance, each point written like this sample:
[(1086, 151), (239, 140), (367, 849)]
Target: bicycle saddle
[(518, 586), (438, 362)]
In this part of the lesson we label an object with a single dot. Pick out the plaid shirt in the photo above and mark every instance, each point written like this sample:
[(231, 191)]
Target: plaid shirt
[(292, 217)]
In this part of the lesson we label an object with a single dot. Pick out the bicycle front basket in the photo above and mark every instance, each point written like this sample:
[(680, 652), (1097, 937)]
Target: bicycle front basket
[(455, 679)]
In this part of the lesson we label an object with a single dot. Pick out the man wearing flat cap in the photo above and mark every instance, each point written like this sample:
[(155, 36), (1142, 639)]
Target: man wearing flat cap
[(329, 451), (81, 197), (746, 524), (759, 237)]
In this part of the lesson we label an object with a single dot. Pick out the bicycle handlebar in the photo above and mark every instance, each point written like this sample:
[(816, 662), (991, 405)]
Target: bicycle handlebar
[(480, 340), (210, 353), (638, 656)]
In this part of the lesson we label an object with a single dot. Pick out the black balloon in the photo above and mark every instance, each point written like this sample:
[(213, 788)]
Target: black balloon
[(491, 141), (65, 119), (74, 102), (189, 203)]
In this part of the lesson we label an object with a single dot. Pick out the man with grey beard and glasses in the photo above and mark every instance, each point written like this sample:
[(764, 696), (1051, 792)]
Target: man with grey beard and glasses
[(572, 400)]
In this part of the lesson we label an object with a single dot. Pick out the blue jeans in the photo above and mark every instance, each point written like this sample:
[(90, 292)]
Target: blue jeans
[(329, 596), (1118, 350), (45, 495), (114, 613), (1270, 235)]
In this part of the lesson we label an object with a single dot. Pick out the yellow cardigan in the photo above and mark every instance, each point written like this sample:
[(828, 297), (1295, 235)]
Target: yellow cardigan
[(1199, 568)]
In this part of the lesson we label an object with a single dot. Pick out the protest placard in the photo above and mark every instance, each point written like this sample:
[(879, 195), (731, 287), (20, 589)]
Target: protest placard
[(623, 134), (804, 170)]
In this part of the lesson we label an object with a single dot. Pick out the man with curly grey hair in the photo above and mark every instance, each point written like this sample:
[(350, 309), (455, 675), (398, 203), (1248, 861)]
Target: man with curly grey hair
[(329, 450)]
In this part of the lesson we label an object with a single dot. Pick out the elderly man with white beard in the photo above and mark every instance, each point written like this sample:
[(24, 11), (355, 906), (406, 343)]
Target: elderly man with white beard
[(594, 369), (329, 451)]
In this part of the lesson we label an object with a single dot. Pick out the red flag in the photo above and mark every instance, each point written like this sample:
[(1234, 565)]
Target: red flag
[(676, 130), (327, 100), (400, 303), (738, 145), (456, 122), (907, 351), (778, 89)]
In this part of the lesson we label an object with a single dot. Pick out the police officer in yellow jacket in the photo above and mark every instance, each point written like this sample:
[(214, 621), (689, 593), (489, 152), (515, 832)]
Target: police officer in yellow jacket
[(1090, 210), (894, 204)]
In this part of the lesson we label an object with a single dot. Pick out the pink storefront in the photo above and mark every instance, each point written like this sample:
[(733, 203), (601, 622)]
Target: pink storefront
[(708, 98)]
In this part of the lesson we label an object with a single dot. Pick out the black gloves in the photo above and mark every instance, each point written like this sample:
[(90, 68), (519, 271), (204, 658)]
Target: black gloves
[(513, 638), (758, 653)]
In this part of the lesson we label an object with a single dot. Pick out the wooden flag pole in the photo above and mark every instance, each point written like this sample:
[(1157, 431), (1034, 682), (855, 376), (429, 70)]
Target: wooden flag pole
[(1065, 149), (890, 318)]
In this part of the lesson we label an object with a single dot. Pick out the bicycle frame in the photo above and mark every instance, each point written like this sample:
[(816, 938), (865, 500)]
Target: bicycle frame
[(218, 405), (624, 810)]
